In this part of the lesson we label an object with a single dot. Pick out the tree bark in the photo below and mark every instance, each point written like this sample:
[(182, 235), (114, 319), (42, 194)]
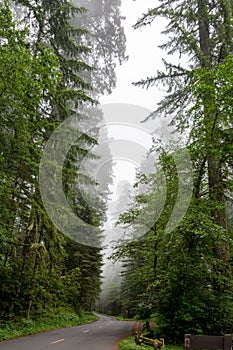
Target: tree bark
[(213, 155)]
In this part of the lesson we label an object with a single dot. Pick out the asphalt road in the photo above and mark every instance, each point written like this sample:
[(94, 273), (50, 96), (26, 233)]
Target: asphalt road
[(99, 335)]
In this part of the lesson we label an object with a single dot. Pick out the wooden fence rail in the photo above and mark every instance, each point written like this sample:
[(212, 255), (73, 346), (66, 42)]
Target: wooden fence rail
[(207, 342)]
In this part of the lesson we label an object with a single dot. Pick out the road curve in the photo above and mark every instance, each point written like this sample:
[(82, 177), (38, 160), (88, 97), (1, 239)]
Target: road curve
[(99, 335)]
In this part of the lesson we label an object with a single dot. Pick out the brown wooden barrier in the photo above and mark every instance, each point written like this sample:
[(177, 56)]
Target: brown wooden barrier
[(207, 342)]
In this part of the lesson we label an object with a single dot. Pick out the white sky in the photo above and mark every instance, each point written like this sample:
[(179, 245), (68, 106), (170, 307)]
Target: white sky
[(144, 57)]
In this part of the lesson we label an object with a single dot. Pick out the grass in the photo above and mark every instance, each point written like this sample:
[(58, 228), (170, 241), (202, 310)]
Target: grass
[(64, 318), (123, 318), (129, 344)]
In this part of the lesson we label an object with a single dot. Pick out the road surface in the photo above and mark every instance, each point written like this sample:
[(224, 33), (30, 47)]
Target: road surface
[(99, 335)]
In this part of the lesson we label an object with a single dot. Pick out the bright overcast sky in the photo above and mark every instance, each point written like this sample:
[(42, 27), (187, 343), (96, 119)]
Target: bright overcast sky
[(144, 57)]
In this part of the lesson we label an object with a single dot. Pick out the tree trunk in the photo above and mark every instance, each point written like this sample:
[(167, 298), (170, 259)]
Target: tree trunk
[(204, 35), (213, 155)]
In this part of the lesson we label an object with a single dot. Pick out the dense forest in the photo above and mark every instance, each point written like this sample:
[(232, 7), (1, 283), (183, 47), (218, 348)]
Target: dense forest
[(53, 64), (180, 276), (56, 58)]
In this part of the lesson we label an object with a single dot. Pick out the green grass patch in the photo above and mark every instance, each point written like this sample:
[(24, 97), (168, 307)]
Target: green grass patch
[(62, 319), (129, 344), (123, 318)]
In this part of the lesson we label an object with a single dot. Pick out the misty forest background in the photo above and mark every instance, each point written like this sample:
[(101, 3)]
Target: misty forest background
[(56, 59)]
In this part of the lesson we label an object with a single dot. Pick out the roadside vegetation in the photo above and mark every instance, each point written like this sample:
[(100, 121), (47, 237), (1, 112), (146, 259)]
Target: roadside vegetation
[(43, 322), (129, 344)]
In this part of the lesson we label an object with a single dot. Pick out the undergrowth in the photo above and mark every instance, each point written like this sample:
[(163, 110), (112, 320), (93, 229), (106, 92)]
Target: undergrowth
[(129, 344), (61, 319)]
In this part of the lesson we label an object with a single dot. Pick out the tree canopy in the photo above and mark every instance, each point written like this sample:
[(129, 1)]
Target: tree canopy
[(183, 277), (45, 63)]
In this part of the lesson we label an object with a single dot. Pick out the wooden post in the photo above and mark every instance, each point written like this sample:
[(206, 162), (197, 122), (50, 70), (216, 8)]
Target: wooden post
[(227, 342), (187, 342)]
